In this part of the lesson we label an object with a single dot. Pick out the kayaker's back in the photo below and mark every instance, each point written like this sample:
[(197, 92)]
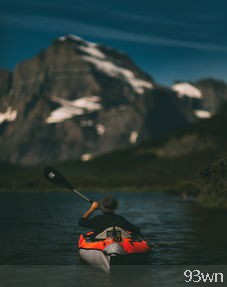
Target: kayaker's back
[(101, 222)]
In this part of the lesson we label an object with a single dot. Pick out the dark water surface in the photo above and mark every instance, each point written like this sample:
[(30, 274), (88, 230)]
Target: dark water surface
[(42, 229)]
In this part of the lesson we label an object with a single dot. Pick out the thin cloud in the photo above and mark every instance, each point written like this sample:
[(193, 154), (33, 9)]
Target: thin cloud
[(84, 29), (151, 19), (139, 18), (76, 5)]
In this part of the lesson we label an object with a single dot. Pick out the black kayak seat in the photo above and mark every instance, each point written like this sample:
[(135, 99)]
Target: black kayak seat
[(105, 234)]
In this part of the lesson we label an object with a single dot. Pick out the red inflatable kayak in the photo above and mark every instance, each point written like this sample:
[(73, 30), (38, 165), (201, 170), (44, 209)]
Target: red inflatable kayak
[(112, 247)]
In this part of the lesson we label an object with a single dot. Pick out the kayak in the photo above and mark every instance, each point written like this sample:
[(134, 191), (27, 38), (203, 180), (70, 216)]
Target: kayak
[(114, 246)]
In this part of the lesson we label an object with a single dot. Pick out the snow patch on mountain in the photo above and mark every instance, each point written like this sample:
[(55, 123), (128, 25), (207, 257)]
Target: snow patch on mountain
[(70, 109), (72, 37), (133, 137), (89, 48), (86, 157), (113, 70), (92, 50), (202, 114), (187, 90), (10, 115), (100, 129)]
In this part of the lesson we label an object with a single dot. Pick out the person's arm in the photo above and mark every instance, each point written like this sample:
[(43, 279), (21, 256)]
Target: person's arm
[(84, 220), (94, 206)]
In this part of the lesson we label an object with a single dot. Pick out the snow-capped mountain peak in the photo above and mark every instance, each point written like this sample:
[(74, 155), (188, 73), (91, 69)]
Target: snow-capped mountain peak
[(75, 38), (107, 65)]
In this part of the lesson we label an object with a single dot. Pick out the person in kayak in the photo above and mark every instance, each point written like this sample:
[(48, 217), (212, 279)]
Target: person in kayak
[(99, 223)]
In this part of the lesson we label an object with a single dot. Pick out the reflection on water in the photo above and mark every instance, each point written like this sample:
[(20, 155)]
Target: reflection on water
[(41, 228)]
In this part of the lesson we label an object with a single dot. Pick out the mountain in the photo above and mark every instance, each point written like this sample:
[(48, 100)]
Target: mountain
[(203, 98), (78, 99)]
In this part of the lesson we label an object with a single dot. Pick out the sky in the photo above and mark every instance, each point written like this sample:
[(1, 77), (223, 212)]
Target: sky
[(172, 40)]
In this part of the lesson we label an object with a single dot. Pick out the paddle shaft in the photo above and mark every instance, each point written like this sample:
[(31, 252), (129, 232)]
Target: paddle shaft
[(83, 196), (149, 242)]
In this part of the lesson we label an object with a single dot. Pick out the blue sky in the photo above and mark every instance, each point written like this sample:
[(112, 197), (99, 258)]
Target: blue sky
[(171, 40)]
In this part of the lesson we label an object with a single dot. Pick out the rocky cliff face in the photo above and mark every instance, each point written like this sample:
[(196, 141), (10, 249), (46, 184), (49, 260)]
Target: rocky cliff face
[(76, 100), (214, 93), (202, 98)]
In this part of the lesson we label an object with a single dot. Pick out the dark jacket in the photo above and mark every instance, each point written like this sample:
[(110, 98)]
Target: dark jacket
[(101, 222)]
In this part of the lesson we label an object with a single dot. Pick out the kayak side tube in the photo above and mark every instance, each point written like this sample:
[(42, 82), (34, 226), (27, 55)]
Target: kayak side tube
[(104, 253)]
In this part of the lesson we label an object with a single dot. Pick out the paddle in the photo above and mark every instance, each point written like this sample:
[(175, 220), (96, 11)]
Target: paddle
[(148, 241), (57, 178)]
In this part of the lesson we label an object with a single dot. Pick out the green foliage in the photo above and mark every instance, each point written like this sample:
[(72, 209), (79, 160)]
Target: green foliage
[(213, 183)]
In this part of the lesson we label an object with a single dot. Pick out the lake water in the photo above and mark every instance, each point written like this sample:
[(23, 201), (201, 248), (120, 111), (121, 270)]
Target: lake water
[(39, 232)]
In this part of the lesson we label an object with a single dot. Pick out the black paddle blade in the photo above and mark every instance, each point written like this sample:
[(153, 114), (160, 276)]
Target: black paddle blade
[(54, 176)]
